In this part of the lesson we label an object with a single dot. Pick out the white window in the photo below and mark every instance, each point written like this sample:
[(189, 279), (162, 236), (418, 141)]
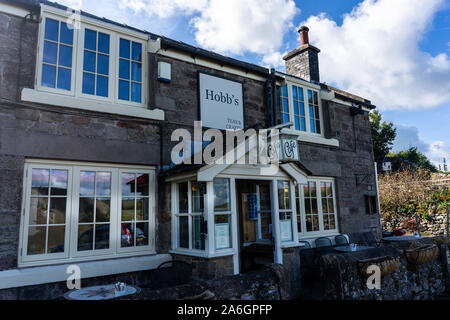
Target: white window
[(301, 106), (316, 208), (78, 212), (222, 213), (285, 210), (92, 62)]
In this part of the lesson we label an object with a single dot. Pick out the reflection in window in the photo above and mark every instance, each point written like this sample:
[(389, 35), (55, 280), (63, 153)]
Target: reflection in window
[(130, 70), (299, 108), (326, 190), (314, 114), (135, 210), (284, 204), (221, 194), (284, 105), (57, 55), (95, 63), (311, 211), (48, 208), (94, 211)]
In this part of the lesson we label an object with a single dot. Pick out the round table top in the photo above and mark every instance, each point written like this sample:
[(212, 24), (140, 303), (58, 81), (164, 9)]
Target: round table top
[(104, 292), (401, 238), (349, 249)]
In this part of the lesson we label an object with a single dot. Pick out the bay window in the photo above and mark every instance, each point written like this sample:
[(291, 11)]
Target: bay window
[(73, 211), (316, 213), (222, 213), (303, 112), (92, 62), (285, 210)]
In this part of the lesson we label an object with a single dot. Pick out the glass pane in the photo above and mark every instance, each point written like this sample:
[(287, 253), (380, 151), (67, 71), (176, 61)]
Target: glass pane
[(102, 64), (316, 223), (183, 232), (51, 29), (124, 90), (85, 237), (303, 122), (59, 182), (310, 99), (142, 181), (312, 188), (89, 61), (124, 69), (56, 235), (307, 206), (142, 209), (312, 124), (38, 211), (102, 236), (102, 210), (135, 92), (142, 234), (324, 206), (128, 184), (39, 181), (329, 189), (325, 222), (124, 48), (332, 222), (90, 39), (66, 35), (198, 192), (65, 56), (87, 183), (317, 126), (315, 100), (316, 112), (302, 109), (285, 105), (221, 194), (50, 52), (296, 107), (136, 52), (102, 86), (36, 240), (297, 123), (183, 197), (284, 195), (294, 93), (308, 221), (128, 209), (57, 211), (86, 210), (198, 241), (48, 76), (323, 190), (88, 83), (64, 78), (299, 223), (300, 94), (314, 206), (103, 42), (136, 71), (103, 181), (284, 91), (330, 206), (127, 235), (266, 221), (264, 197)]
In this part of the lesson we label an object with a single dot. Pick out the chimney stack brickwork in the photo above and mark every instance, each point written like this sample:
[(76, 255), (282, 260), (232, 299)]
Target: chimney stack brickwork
[(303, 62)]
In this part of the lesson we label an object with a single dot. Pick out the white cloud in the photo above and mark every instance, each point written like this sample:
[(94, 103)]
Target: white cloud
[(229, 27), (375, 53), (437, 151), (273, 60)]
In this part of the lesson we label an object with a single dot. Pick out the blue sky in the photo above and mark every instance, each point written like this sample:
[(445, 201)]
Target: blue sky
[(395, 53)]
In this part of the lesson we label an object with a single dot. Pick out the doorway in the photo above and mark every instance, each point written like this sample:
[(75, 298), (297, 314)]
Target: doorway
[(255, 224)]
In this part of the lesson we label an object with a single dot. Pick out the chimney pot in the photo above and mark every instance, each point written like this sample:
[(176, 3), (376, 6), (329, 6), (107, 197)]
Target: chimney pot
[(303, 30)]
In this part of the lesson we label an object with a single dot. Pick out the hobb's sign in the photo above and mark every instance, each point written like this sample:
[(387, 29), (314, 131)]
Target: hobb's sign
[(221, 102)]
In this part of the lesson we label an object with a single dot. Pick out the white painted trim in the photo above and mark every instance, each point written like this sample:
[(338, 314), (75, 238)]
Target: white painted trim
[(49, 274), (297, 81), (295, 172), (311, 138), (202, 254), (204, 63), (290, 245), (278, 254), (12, 10), (31, 95)]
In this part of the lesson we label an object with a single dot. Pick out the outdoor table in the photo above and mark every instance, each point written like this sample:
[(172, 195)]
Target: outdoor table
[(348, 249), (401, 238), (104, 292)]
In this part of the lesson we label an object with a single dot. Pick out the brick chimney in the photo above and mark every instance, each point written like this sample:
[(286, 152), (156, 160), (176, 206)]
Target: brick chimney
[(303, 62)]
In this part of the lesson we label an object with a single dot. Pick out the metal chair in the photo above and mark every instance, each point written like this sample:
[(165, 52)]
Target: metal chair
[(307, 245), (169, 274), (341, 240), (323, 246)]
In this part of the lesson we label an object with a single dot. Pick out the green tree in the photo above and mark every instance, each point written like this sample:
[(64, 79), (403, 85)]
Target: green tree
[(412, 155), (383, 136)]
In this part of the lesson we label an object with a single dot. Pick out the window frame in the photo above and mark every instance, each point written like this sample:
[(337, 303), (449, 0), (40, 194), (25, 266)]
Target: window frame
[(305, 106), (71, 254), (321, 232), (77, 59)]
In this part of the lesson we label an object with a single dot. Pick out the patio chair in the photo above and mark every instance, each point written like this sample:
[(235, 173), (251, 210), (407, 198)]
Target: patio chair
[(169, 274), (341, 240), (323, 246), (307, 245)]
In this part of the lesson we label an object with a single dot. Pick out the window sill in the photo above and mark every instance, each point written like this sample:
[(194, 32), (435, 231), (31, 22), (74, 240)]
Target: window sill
[(290, 245), (192, 253), (306, 137), (48, 274), (31, 95)]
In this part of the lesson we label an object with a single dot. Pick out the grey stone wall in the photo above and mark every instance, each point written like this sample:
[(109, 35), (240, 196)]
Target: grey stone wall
[(341, 276), (303, 63), (434, 225), (207, 269)]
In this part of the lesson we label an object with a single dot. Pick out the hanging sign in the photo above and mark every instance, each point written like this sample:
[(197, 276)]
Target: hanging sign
[(221, 102)]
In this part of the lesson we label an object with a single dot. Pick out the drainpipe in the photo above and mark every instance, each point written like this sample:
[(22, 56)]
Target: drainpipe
[(274, 97), (269, 99)]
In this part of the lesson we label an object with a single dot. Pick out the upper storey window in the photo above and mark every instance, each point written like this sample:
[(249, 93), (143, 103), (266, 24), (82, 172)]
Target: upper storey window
[(300, 106), (92, 62)]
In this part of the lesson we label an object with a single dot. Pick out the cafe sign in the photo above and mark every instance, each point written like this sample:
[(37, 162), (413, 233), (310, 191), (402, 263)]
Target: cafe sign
[(221, 102), (284, 149)]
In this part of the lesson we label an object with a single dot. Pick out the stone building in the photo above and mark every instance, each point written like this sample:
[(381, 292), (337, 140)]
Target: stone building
[(87, 115)]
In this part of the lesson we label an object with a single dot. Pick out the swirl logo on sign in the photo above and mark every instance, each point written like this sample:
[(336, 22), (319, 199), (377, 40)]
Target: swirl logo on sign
[(289, 149)]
